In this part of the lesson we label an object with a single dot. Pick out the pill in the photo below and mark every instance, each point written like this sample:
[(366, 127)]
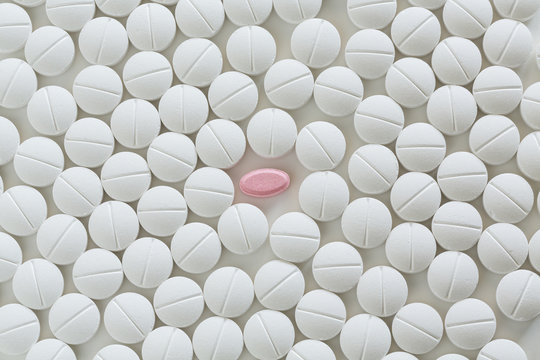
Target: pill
[(162, 210), (534, 250), (77, 191), (294, 237), (517, 295), (89, 142), (320, 145), (294, 13), (113, 225), (147, 75), (37, 284), (151, 27), (371, 14), (19, 329), (337, 266), (103, 41), (166, 341), (271, 133), (456, 226), (228, 292), (29, 3), (420, 147), (417, 328), (97, 89), (410, 247), (147, 262), (279, 285), (400, 355), (70, 15), (410, 82), (243, 13), (315, 42), (452, 109), (18, 82), (242, 228), (183, 109), (218, 338), (456, 61), (117, 8), (415, 196), (50, 51), (338, 91), (16, 28), (11, 257), (264, 182), (116, 351), (369, 53), (22, 210), (61, 239), (508, 198), (1, 185), (470, 324), (208, 192), (9, 140), (497, 90), (49, 349), (320, 315), (415, 31), (51, 110), (365, 336), (200, 18), (288, 84), (220, 143), (507, 43), (97, 273), (251, 49), (135, 123), (125, 176), (268, 334), (502, 248), (129, 318), (428, 4), (178, 302), (323, 195), (529, 106), (382, 291), (197, 62), (378, 120), (196, 248), (501, 348), (233, 96), (366, 223), (452, 357), (468, 19), (38, 161), (462, 176), (453, 276), (521, 10), (527, 155), (312, 349)]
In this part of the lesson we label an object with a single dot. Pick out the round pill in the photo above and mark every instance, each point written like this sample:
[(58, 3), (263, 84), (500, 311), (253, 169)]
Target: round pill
[(452, 357), (97, 273), (508, 198), (378, 120), (38, 161), (382, 291), (410, 82), (371, 14), (113, 225), (74, 319), (268, 334), (29, 3), (452, 276), (365, 336), (315, 42), (103, 41), (507, 43), (50, 349), (294, 237), (129, 318), (470, 324), (497, 90), (468, 19), (125, 176), (151, 27), (428, 4), (162, 210), (197, 62), (366, 223), (373, 169), (37, 284), (233, 96), (196, 248), (456, 61), (179, 302), (97, 89), (289, 84), (89, 142), (22, 210), (208, 192), (218, 338), (312, 349), (320, 145), (279, 285), (200, 18), (457, 226), (220, 144), (517, 295), (337, 266), (9, 140), (308, 315), (18, 82), (70, 15), (135, 123), (147, 263), (116, 351), (242, 228), (77, 191), (323, 195), (11, 257), (51, 110), (527, 156), (420, 147), (338, 91), (534, 250), (400, 355), (502, 348), (19, 329), (167, 342), (251, 49), (521, 10), (415, 31), (415, 196), (147, 75), (294, 13), (271, 133), (183, 109), (502, 248), (369, 53), (49, 50), (452, 109), (61, 239), (243, 13), (228, 292), (529, 106), (16, 27), (462, 176), (117, 8), (410, 247), (417, 328)]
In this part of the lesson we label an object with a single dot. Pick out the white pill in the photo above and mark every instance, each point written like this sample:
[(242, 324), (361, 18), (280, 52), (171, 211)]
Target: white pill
[(197, 62), (147, 75), (508, 198), (11, 257), (428, 4), (178, 302), (37, 284), (220, 143), (452, 276), (117, 8), (338, 91), (151, 27), (415, 196), (378, 120), (315, 42), (233, 96), (527, 156), (497, 90), (371, 14), (251, 49), (1, 185), (9, 140), (320, 315), (520, 10), (135, 123), (279, 285), (452, 357), (218, 338), (468, 19), (369, 53), (271, 133), (366, 223), (337, 266), (29, 3), (400, 355), (167, 342), (470, 324), (50, 51), (129, 318), (50, 349), (116, 351), (502, 348), (382, 291), (502, 248), (420, 147), (410, 247), (311, 349), (323, 195), (508, 43), (22, 210), (16, 27), (208, 192), (97, 89), (417, 328), (196, 248), (365, 336), (162, 210), (89, 142), (103, 41), (457, 226), (296, 12), (125, 176), (243, 228), (61, 239), (18, 82), (113, 225), (452, 109), (51, 110), (534, 250), (320, 145), (38, 161), (70, 15), (373, 169), (294, 237), (97, 273), (415, 31), (147, 262), (183, 109), (19, 329), (228, 292), (410, 82), (530, 106), (456, 61), (289, 84), (269, 334), (200, 18), (243, 13), (77, 191), (462, 176), (517, 295)]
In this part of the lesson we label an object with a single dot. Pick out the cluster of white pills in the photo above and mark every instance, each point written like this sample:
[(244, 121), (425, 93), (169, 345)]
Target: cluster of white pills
[(269, 179)]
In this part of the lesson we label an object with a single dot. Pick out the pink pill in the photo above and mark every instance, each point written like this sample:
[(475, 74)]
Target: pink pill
[(264, 182)]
